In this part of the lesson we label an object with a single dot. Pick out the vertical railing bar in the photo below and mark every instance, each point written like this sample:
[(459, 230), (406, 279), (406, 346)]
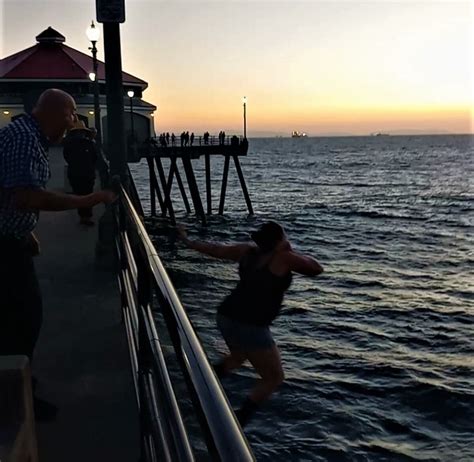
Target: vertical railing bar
[(178, 430)]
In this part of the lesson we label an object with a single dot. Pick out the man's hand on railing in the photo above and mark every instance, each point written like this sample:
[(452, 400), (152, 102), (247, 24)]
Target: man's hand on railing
[(105, 196)]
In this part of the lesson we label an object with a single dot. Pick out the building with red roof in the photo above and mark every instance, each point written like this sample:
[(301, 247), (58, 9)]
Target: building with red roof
[(50, 63)]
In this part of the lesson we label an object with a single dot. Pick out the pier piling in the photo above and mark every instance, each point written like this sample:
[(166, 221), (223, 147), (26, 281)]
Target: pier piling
[(232, 147)]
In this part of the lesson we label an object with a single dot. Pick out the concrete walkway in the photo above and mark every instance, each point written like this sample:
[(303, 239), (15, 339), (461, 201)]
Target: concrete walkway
[(81, 358)]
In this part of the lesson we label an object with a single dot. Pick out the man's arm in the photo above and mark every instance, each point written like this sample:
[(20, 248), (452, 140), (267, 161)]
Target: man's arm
[(41, 199)]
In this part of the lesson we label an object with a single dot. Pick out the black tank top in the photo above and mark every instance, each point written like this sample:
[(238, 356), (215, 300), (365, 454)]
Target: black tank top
[(259, 294)]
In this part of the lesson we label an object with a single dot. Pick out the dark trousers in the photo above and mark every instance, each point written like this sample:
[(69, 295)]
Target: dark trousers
[(82, 186), (21, 308)]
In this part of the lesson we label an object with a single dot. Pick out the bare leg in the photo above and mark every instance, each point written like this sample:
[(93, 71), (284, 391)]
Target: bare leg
[(232, 361), (267, 363)]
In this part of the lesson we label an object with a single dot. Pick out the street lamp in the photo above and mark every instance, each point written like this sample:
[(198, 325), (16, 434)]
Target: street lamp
[(153, 123), (131, 94), (244, 101), (93, 34)]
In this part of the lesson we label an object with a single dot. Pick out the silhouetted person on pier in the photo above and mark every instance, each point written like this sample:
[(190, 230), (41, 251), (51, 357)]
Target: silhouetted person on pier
[(80, 153), (206, 138), (266, 269), (173, 139), (24, 173), (164, 143), (222, 137), (191, 139), (183, 135), (167, 138), (186, 138)]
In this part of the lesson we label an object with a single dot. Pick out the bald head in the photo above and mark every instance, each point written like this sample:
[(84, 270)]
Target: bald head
[(55, 111), (54, 99)]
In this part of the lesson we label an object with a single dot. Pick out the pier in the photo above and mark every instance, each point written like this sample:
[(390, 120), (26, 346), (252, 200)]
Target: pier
[(161, 182)]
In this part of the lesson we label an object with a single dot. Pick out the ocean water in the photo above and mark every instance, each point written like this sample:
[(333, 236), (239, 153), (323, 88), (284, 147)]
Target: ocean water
[(378, 351)]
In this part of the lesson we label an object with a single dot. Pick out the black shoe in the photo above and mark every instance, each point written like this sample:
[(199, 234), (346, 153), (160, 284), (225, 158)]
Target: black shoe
[(44, 411)]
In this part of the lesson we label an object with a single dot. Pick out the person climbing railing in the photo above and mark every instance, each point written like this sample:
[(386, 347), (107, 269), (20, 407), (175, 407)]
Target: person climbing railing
[(147, 293)]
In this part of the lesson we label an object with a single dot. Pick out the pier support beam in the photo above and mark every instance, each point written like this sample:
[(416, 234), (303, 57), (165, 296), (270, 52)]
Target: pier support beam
[(154, 189), (182, 190), (224, 184), (168, 206), (207, 159), (193, 187), (243, 185)]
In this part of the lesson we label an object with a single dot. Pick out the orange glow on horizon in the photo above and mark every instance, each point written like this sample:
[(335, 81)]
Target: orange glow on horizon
[(318, 67)]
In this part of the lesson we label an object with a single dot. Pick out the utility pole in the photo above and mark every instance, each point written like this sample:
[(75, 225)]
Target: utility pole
[(111, 13)]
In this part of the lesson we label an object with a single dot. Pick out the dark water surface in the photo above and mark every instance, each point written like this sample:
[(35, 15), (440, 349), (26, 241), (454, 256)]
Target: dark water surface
[(379, 351)]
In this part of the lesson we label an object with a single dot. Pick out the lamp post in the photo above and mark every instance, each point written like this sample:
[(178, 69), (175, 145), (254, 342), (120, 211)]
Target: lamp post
[(244, 101), (131, 94), (93, 34)]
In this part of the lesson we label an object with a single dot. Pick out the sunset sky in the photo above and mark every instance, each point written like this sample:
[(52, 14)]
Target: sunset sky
[(321, 67)]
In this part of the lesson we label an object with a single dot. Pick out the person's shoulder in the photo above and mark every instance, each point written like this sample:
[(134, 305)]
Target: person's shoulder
[(18, 134), (247, 249), (248, 246), (284, 255), (22, 131)]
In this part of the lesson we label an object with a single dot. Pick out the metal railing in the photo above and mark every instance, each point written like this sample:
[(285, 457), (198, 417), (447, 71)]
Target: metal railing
[(147, 291), (211, 140)]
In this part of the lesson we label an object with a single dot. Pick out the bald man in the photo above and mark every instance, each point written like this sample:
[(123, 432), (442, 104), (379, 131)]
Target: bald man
[(24, 172)]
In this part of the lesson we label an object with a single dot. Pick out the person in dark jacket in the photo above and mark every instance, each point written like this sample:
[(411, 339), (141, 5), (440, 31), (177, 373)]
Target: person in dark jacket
[(244, 318), (80, 153)]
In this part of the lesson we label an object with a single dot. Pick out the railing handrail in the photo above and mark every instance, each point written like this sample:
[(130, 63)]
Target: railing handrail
[(226, 435), (212, 140)]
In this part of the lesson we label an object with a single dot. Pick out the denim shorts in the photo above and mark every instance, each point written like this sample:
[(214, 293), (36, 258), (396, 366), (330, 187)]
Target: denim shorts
[(244, 337)]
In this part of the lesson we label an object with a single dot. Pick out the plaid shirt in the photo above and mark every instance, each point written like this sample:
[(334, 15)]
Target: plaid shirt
[(23, 164)]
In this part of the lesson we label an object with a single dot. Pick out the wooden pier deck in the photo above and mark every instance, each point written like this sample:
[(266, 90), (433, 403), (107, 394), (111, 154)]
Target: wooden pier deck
[(81, 361), (197, 149)]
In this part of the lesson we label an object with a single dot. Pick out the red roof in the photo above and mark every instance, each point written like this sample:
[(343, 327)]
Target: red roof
[(51, 59)]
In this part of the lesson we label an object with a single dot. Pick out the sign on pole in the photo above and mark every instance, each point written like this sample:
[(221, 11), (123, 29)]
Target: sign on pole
[(110, 10)]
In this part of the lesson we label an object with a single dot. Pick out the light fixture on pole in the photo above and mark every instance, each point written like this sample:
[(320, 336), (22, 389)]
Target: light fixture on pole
[(131, 94), (93, 34), (244, 101), (153, 122)]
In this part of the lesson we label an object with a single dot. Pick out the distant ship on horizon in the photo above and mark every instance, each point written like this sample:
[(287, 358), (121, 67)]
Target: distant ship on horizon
[(297, 134), (380, 134)]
